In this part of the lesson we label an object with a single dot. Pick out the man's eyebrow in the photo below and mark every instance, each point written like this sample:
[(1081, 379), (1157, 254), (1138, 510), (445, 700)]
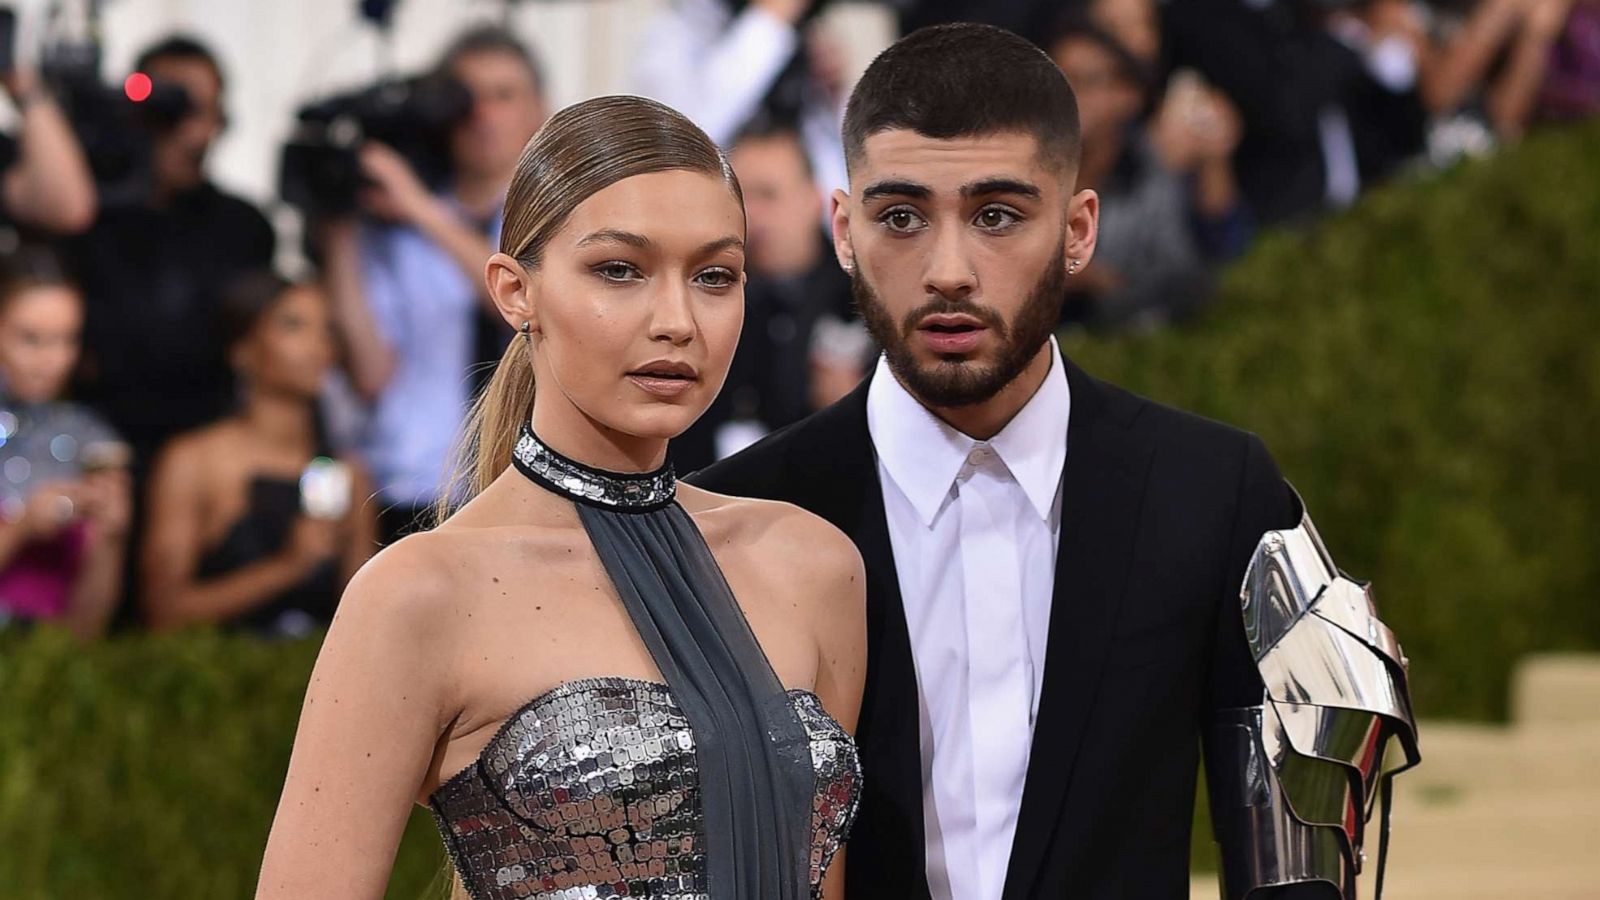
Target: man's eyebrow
[(1002, 185), (615, 236), (730, 242), (880, 189)]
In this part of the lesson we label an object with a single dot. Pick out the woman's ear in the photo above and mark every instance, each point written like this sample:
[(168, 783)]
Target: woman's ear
[(513, 289)]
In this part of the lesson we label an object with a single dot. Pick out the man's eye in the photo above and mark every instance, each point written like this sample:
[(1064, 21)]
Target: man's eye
[(996, 218), (901, 220)]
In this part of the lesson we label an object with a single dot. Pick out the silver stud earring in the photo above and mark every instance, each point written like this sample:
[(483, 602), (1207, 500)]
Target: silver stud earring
[(526, 330), (1073, 269)]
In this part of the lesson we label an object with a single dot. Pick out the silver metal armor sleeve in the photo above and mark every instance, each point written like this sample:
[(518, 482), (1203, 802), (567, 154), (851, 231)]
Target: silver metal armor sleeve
[(1294, 779)]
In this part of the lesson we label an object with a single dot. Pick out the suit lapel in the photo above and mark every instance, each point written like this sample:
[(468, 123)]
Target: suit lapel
[(1103, 483), (839, 461)]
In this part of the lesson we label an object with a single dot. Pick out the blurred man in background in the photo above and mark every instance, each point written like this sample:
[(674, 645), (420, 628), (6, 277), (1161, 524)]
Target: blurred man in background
[(1169, 205), (801, 348), (407, 276), (152, 269)]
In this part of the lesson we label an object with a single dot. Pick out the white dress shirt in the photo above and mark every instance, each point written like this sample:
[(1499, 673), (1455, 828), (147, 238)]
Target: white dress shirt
[(974, 526)]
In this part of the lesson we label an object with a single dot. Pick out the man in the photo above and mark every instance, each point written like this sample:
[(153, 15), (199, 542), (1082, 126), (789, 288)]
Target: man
[(1053, 564), (152, 271), (801, 347), (407, 279)]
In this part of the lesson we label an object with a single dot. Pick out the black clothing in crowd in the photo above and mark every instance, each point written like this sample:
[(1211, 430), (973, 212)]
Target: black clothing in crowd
[(153, 362)]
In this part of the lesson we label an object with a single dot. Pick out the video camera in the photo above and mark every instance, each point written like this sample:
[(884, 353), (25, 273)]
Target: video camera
[(321, 170), (114, 129)]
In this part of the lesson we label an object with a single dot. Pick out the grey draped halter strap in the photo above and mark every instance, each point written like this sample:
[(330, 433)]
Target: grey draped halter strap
[(752, 752)]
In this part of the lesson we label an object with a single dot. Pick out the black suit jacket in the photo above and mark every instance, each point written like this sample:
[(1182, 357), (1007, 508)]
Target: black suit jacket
[(1160, 513)]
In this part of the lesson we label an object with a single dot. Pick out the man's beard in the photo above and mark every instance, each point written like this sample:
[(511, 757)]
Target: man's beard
[(959, 382)]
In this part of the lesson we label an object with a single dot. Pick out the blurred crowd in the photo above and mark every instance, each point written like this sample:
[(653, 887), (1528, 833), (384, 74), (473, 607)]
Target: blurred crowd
[(186, 436)]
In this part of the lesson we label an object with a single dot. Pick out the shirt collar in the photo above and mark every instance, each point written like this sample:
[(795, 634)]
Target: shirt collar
[(923, 455)]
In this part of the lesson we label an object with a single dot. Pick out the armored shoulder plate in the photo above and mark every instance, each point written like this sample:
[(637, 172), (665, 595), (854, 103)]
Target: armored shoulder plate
[(1295, 779)]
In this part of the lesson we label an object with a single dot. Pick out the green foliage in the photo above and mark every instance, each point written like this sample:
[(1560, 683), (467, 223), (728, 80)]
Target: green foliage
[(1424, 368), (149, 767)]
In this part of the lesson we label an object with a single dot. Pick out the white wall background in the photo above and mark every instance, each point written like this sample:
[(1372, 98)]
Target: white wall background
[(279, 53)]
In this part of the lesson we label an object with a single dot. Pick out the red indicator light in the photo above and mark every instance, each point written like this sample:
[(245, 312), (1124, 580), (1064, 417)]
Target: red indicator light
[(137, 87)]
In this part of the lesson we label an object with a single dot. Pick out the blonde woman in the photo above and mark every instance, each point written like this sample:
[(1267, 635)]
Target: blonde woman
[(603, 682)]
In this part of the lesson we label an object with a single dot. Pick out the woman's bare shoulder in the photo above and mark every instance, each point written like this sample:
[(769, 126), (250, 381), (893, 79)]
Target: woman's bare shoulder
[(799, 545)]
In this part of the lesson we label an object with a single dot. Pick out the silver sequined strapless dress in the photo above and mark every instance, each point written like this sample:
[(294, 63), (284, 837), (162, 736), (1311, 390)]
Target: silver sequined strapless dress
[(714, 783), (590, 791)]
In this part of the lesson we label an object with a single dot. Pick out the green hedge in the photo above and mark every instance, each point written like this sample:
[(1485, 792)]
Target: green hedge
[(148, 768), (1424, 368)]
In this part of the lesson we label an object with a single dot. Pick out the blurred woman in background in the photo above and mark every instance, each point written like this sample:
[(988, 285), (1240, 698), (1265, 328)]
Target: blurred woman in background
[(252, 523), (64, 490)]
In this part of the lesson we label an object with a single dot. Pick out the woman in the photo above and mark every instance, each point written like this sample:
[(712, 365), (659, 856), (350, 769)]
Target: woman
[(679, 742), (64, 490), (239, 532)]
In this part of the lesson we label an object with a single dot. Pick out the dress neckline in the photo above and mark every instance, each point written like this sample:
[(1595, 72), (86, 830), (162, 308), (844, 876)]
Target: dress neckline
[(579, 685), (618, 491)]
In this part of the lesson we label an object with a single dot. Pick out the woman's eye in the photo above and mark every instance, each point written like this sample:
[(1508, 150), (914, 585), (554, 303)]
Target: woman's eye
[(617, 271), (902, 220), (717, 278), (995, 218)]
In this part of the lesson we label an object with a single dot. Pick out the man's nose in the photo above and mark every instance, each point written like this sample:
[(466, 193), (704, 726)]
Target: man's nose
[(949, 271)]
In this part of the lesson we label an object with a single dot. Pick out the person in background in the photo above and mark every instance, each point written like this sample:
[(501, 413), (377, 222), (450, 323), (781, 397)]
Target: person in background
[(802, 346), (407, 276), (727, 63), (152, 269), (251, 524), (1170, 207), (1325, 114), (46, 183), (64, 489), (1482, 69), (1572, 85)]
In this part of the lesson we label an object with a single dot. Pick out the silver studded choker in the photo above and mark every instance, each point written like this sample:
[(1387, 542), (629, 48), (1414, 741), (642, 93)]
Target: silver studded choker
[(619, 491)]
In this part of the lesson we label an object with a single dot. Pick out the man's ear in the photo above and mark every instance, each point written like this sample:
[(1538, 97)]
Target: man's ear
[(512, 288), (1083, 230), (839, 217)]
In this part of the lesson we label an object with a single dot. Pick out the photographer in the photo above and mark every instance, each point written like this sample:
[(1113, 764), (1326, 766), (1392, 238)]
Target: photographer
[(65, 496), (724, 63), (151, 270), (47, 185), (407, 277), (251, 524)]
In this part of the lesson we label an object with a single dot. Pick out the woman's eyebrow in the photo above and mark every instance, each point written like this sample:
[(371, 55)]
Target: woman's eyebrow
[(731, 242), (615, 236)]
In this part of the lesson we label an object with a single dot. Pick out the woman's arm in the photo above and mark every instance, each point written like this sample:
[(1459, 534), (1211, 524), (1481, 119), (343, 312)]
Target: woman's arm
[(380, 697), (174, 537), (361, 523), (838, 593), (107, 508)]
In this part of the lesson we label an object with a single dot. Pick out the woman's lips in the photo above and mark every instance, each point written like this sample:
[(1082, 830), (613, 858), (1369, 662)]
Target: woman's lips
[(661, 385)]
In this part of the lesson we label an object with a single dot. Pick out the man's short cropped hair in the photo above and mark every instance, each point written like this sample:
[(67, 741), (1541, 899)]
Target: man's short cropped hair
[(963, 80), (492, 39), (179, 46)]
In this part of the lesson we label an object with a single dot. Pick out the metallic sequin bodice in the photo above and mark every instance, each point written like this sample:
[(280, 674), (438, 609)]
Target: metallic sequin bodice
[(591, 791)]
